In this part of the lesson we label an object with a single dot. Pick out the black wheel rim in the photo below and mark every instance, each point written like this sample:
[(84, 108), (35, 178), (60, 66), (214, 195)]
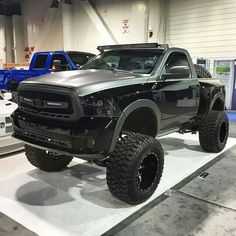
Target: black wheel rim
[(223, 132), (147, 172)]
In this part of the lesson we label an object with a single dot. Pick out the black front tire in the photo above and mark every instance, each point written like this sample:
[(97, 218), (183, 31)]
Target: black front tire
[(135, 168), (213, 133), (46, 161)]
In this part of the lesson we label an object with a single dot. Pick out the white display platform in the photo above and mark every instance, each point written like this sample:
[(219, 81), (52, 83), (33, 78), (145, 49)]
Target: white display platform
[(9, 144), (77, 201)]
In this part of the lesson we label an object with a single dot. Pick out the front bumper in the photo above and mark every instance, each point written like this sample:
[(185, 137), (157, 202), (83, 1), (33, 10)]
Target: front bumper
[(86, 137)]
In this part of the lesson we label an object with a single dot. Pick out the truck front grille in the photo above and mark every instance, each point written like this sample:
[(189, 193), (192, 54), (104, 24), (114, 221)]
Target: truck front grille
[(48, 104)]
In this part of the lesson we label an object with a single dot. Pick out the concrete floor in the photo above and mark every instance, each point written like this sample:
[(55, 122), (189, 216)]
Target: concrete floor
[(204, 206)]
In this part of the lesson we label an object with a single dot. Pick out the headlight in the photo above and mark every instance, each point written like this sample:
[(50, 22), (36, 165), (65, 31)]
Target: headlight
[(99, 107)]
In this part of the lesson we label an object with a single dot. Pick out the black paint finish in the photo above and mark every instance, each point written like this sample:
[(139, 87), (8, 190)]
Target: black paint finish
[(63, 119)]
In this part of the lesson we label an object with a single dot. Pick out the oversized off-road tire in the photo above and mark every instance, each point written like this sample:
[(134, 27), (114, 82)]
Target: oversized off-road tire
[(202, 72), (46, 161), (213, 133), (135, 168)]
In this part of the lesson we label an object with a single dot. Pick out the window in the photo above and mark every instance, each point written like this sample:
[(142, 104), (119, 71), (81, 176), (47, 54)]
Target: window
[(111, 61), (177, 63), (40, 62), (79, 59), (137, 61), (63, 63)]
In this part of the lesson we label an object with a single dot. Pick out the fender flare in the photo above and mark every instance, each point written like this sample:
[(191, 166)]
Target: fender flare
[(220, 96), (141, 103)]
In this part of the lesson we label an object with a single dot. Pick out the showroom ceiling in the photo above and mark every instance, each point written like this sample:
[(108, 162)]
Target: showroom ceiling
[(9, 2), (10, 7)]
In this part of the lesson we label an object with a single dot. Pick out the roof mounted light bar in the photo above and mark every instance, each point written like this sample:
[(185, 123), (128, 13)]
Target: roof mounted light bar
[(137, 45)]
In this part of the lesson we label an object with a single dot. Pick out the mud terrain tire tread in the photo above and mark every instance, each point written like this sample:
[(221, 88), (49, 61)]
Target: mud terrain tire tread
[(202, 72), (211, 130), (46, 162), (123, 164)]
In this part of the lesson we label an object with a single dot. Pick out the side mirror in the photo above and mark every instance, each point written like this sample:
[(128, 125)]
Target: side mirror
[(56, 64), (7, 96), (177, 72)]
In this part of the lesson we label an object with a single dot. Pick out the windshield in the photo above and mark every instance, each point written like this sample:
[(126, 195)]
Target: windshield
[(79, 59), (137, 61)]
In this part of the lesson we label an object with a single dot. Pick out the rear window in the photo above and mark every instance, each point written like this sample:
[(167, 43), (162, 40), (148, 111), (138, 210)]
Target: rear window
[(79, 59), (40, 62), (61, 58)]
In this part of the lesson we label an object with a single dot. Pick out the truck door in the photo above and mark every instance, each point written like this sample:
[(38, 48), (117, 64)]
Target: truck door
[(179, 91)]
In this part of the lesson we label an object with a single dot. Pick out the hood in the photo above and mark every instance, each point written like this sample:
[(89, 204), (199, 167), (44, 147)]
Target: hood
[(88, 81), (7, 108)]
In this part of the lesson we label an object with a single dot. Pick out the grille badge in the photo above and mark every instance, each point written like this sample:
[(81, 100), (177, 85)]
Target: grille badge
[(39, 103)]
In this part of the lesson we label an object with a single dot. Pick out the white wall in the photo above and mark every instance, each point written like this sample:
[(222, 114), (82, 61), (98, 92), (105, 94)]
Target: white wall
[(18, 39), (157, 19), (79, 27), (67, 26), (2, 39), (86, 34), (135, 11), (207, 28), (9, 40), (42, 25)]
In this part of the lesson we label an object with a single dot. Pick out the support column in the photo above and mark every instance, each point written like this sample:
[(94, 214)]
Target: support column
[(18, 39), (67, 26), (2, 40), (9, 40)]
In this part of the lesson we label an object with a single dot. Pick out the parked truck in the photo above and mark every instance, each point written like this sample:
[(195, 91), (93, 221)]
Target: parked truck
[(112, 111), (43, 63)]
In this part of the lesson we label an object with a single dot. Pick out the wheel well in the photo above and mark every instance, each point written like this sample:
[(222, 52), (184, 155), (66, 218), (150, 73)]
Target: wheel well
[(141, 120), (218, 105)]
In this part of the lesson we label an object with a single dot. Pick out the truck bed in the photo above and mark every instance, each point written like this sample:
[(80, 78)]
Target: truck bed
[(18, 76)]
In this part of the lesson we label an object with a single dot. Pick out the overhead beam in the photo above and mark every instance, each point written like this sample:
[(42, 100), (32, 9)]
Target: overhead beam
[(99, 22)]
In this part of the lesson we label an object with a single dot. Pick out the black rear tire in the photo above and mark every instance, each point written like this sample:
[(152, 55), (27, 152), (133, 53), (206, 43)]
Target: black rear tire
[(202, 72), (213, 133), (12, 86), (135, 168), (46, 161)]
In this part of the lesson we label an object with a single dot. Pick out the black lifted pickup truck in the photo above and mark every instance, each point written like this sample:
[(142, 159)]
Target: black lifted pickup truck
[(111, 111)]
